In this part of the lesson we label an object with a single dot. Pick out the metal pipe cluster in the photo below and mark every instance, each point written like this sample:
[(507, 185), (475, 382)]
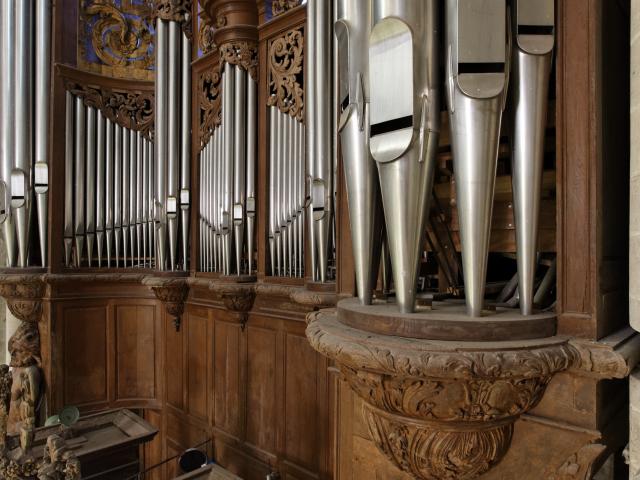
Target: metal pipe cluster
[(286, 194), (109, 191), (227, 179), (320, 84), (25, 68), (172, 145)]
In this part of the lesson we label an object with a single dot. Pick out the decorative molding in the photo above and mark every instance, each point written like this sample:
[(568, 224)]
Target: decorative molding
[(278, 7), (116, 38), (285, 63), (612, 357), (314, 299), (128, 107), (172, 292), (241, 53), (433, 453), (210, 102), (23, 294), (237, 297), (440, 409)]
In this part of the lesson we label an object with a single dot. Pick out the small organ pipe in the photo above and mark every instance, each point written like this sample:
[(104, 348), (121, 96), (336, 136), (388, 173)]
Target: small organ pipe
[(100, 187), (80, 154)]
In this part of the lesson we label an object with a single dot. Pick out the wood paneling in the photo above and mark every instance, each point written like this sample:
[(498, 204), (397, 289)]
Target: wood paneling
[(175, 364), (196, 327), (85, 355), (227, 382), (135, 331)]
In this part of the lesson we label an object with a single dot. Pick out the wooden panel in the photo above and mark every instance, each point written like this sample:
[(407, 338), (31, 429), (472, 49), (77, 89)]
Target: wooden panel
[(301, 413), (261, 388), (85, 355), (239, 463), (197, 364), (153, 449), (135, 352), (227, 384)]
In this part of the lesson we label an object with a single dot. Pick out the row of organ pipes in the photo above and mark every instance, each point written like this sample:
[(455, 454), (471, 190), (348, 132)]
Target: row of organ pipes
[(109, 194), (25, 59), (388, 60), (227, 165)]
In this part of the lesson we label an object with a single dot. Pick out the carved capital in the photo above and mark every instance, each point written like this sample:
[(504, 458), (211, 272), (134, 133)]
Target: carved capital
[(23, 294), (614, 356), (243, 54), (237, 298), (285, 73), (440, 409), (172, 292)]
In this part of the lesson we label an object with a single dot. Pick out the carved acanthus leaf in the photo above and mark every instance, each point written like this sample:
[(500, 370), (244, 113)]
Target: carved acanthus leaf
[(285, 73), (131, 109), (278, 7), (177, 11), (209, 100), (206, 40), (243, 54)]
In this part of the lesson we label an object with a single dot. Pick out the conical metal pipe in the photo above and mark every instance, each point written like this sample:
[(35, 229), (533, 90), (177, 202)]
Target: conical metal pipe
[(126, 202), (117, 194), (477, 77), (79, 179), (405, 123), (228, 124), (90, 183), (185, 147), (361, 175), (100, 186), (109, 189), (252, 155), (68, 181), (273, 112), (160, 150), (240, 163), (173, 140), (533, 47)]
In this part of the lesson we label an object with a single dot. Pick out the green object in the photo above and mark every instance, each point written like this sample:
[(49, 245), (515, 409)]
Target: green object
[(52, 420), (69, 415)]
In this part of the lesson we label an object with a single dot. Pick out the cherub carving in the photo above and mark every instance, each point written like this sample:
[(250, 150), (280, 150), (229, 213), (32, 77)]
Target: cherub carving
[(24, 347), (6, 380)]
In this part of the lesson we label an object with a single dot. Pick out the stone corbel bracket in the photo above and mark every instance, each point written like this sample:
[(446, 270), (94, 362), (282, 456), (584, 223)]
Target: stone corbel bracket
[(24, 294), (440, 409), (172, 292), (237, 298)]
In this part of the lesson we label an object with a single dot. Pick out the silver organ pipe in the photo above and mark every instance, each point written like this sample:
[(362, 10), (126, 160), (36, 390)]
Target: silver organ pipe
[(21, 174), (278, 188), (173, 140), (252, 156), (79, 186), (109, 189), (7, 117), (68, 177), (404, 128), (310, 108), (139, 193), (161, 143), (152, 196), (320, 123), (532, 52), (126, 205), (42, 76), (117, 196), (90, 183), (228, 92), (185, 144), (361, 176), (100, 187), (476, 98), (273, 112), (239, 163), (144, 199), (133, 196)]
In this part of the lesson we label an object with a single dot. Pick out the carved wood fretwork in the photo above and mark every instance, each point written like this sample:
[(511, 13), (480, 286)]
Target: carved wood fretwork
[(285, 73), (243, 54), (120, 37), (210, 102), (278, 7), (121, 102), (206, 41)]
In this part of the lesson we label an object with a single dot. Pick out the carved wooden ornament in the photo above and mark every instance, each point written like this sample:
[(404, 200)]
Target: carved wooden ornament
[(284, 73)]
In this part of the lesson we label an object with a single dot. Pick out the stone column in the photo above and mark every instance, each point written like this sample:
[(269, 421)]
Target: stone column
[(634, 238)]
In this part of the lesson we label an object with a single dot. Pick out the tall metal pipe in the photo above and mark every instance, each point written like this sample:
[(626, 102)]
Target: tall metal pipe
[(152, 206), (42, 93), (80, 154), (117, 196), (405, 116), (90, 183), (139, 191), (363, 189), (278, 190), (252, 156), (284, 161), (185, 151), (160, 149), (240, 162), (126, 202), (216, 192), (100, 186), (70, 132), (294, 196), (144, 215), (109, 189), (533, 48), (301, 197), (23, 127), (7, 118), (173, 140), (228, 123), (289, 192), (476, 80), (311, 133), (273, 112)]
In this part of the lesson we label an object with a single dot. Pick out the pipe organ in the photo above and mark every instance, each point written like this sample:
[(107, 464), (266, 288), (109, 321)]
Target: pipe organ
[(25, 66)]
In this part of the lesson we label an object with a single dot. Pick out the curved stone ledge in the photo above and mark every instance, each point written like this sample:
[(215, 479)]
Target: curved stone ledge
[(440, 409)]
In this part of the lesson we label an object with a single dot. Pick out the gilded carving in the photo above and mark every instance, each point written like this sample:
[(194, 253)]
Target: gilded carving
[(209, 100), (431, 453), (278, 7), (284, 73), (119, 35), (243, 54), (130, 109)]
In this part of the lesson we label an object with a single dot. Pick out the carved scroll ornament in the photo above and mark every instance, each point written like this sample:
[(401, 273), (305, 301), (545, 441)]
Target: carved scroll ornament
[(206, 40), (176, 11), (209, 100), (172, 292), (278, 7), (120, 36), (130, 109), (440, 410), (284, 73), (243, 54)]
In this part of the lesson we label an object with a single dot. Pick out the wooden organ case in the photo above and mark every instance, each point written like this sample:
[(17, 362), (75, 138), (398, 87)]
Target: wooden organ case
[(205, 332)]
